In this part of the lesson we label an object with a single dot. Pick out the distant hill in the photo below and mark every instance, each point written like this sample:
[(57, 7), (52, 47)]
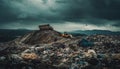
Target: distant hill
[(91, 32), (10, 34)]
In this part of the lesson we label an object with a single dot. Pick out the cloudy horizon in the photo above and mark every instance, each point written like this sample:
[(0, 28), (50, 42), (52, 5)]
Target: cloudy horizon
[(63, 15)]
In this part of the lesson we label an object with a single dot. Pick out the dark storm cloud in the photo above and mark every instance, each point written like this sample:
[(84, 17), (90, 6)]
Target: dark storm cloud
[(116, 24), (95, 12), (108, 9)]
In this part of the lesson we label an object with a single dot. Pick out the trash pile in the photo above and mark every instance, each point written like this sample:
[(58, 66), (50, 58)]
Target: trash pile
[(31, 52)]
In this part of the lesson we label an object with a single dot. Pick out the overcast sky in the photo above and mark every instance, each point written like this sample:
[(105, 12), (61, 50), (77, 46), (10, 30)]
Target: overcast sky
[(63, 15)]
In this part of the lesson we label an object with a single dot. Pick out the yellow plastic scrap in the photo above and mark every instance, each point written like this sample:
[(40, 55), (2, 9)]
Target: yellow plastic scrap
[(29, 56)]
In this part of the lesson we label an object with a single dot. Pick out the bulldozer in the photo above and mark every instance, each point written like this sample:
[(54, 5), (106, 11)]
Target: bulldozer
[(66, 35)]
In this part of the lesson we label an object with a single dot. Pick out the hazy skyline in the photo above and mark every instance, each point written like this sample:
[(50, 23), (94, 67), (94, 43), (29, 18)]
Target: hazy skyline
[(63, 15)]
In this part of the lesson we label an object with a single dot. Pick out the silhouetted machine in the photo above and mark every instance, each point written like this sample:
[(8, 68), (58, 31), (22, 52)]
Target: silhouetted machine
[(45, 27)]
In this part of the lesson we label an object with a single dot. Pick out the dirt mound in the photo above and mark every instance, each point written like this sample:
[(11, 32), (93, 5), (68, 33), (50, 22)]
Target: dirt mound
[(43, 36)]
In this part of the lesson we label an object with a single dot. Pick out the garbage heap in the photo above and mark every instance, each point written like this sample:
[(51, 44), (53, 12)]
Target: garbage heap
[(38, 51)]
